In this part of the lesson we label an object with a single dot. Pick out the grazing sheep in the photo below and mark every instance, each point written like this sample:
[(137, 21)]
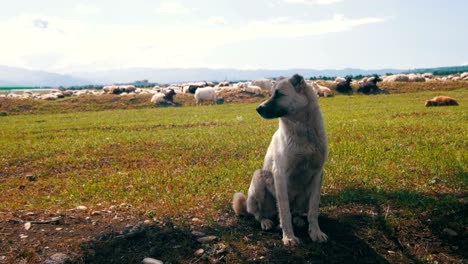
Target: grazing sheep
[(340, 80), (205, 94), (441, 101), (345, 87), (396, 78)]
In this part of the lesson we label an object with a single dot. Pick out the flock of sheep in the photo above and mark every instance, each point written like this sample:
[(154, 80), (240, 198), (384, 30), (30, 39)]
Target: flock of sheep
[(209, 91)]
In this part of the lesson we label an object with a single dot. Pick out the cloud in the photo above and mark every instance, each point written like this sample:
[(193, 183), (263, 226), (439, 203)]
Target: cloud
[(216, 20), (87, 10), (40, 23), (312, 2), (85, 46), (172, 8)]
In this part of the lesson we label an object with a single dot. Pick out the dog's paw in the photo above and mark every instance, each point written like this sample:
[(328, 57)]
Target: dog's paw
[(298, 222), (266, 224), (291, 241), (318, 236)]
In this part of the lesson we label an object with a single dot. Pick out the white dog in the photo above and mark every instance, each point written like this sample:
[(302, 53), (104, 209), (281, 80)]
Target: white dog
[(289, 184)]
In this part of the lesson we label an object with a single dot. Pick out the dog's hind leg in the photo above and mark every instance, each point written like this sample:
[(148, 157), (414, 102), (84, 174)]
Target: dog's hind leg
[(261, 200)]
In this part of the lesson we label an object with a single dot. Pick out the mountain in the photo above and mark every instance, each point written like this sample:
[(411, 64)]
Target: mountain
[(169, 75), (12, 76)]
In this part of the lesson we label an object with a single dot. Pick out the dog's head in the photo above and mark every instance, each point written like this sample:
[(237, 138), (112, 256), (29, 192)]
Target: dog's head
[(288, 97)]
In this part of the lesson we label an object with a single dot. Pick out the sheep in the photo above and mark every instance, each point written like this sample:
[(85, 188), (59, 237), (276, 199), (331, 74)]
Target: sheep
[(345, 87), (369, 85), (396, 78), (160, 98), (252, 89), (322, 90), (441, 101), (205, 94), (416, 78), (340, 80), (265, 84)]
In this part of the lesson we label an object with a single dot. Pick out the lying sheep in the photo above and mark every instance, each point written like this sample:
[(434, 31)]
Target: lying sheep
[(205, 94), (441, 101), (322, 90), (252, 89), (345, 87), (164, 98), (369, 85)]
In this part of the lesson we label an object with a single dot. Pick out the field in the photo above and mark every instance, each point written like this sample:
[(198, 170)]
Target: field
[(394, 191)]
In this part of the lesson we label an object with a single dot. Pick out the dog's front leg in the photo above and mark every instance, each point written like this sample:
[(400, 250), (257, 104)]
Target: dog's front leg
[(282, 199), (314, 230)]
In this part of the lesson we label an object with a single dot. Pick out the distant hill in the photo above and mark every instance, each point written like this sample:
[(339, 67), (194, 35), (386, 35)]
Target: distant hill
[(11, 76), (169, 75)]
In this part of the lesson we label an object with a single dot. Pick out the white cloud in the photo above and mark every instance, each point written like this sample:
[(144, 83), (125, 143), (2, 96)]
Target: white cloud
[(313, 2), (65, 44), (216, 20), (172, 8), (87, 10)]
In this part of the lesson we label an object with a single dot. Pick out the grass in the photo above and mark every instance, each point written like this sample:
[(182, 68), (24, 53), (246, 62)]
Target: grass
[(387, 150)]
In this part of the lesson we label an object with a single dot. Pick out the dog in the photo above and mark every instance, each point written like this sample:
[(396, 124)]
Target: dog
[(288, 185), (441, 101)]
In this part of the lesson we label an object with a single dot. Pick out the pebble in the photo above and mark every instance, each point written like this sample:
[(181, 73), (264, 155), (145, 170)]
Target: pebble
[(198, 233), (151, 261), (23, 236), (199, 252), (195, 219), (147, 221), (58, 258), (58, 228), (449, 232), (30, 213), (95, 213), (81, 208), (207, 239), (27, 225)]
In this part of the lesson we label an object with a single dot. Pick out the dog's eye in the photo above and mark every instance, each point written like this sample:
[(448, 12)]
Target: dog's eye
[(278, 94)]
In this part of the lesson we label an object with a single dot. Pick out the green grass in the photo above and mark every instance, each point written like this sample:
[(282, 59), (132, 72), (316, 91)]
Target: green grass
[(189, 159)]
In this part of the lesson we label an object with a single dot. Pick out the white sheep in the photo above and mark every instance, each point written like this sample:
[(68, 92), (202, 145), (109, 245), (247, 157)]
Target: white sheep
[(322, 90), (158, 98), (205, 94), (252, 89)]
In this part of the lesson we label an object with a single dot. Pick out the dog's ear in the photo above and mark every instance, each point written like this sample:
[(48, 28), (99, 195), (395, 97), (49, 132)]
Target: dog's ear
[(298, 82)]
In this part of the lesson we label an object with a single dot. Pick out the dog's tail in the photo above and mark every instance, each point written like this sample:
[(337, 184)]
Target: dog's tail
[(239, 204)]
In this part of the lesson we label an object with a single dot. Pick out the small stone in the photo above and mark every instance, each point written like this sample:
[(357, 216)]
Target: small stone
[(58, 258), (449, 232), (199, 252), (22, 236), (95, 213), (81, 208), (31, 178), (58, 228), (27, 225), (195, 219), (198, 233), (151, 261), (147, 222), (207, 239), (30, 213)]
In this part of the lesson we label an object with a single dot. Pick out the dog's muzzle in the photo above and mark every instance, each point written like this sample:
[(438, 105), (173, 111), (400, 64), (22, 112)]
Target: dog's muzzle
[(269, 112)]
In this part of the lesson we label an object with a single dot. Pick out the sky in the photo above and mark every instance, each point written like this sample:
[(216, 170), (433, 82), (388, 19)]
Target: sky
[(68, 36)]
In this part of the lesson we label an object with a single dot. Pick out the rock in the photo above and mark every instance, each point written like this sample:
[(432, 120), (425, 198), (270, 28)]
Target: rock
[(195, 219), (30, 213), (198, 233), (151, 261), (81, 208), (22, 236), (31, 178), (58, 258), (27, 225), (207, 239), (199, 252), (147, 222), (95, 213), (449, 232)]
